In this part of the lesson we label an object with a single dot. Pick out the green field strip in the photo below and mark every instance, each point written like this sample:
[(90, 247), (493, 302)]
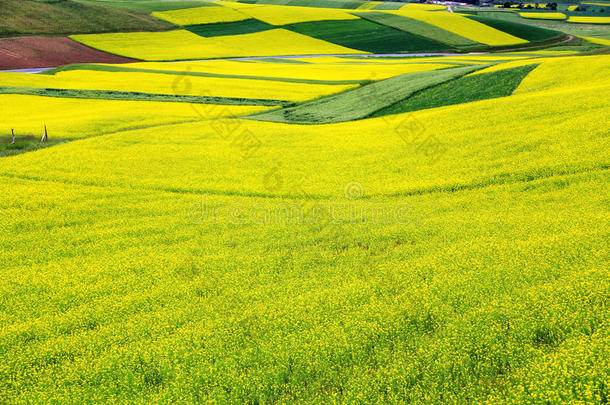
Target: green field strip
[(21, 17), (138, 96), (366, 36), (465, 89), (420, 60), (367, 5), (341, 4), (419, 28), (363, 101), (149, 5), (389, 5), (555, 25), (111, 68), (523, 31), (248, 26)]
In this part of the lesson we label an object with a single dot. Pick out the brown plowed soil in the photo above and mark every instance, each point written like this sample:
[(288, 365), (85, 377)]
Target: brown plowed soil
[(42, 52)]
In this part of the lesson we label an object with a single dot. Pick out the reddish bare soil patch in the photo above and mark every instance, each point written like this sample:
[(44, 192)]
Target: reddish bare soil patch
[(41, 52)]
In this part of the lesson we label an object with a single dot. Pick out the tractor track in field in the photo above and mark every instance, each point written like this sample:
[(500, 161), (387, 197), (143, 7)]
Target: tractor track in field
[(517, 178)]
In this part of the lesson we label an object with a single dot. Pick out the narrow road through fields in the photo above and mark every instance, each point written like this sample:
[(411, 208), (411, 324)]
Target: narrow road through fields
[(568, 38), (339, 55), (359, 55)]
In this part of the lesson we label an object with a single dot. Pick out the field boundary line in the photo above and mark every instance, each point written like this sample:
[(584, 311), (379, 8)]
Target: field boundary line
[(522, 177), (409, 193), (126, 69)]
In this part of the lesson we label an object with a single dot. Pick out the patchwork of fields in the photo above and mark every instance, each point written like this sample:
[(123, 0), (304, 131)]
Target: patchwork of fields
[(309, 227), (234, 29), (584, 19)]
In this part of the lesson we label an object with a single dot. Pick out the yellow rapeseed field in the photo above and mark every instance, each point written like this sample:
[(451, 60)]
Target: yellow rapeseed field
[(168, 84), (589, 20), (78, 118), (423, 7), (367, 5), (600, 41), (543, 16), (183, 45), (171, 252), (322, 68), (462, 26), (567, 73), (280, 15), (559, 61), (201, 15), (453, 124)]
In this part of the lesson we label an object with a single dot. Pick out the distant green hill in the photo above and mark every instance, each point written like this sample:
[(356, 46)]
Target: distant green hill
[(163, 5), (147, 5), (62, 17)]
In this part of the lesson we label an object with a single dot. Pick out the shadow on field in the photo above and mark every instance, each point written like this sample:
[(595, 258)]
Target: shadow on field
[(25, 143)]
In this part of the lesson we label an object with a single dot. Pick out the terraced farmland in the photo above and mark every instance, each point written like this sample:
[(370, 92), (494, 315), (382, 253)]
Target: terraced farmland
[(259, 207)]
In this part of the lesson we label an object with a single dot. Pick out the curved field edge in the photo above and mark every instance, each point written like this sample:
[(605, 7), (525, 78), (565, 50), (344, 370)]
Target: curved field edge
[(126, 69), (185, 45), (465, 89), (528, 32), (25, 144), (69, 118), (361, 102), (138, 96), (42, 52), (229, 28), (368, 36), (420, 28)]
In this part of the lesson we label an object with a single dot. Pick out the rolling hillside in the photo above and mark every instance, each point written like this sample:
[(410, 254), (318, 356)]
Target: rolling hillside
[(63, 17), (163, 251), (252, 208), (232, 29)]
